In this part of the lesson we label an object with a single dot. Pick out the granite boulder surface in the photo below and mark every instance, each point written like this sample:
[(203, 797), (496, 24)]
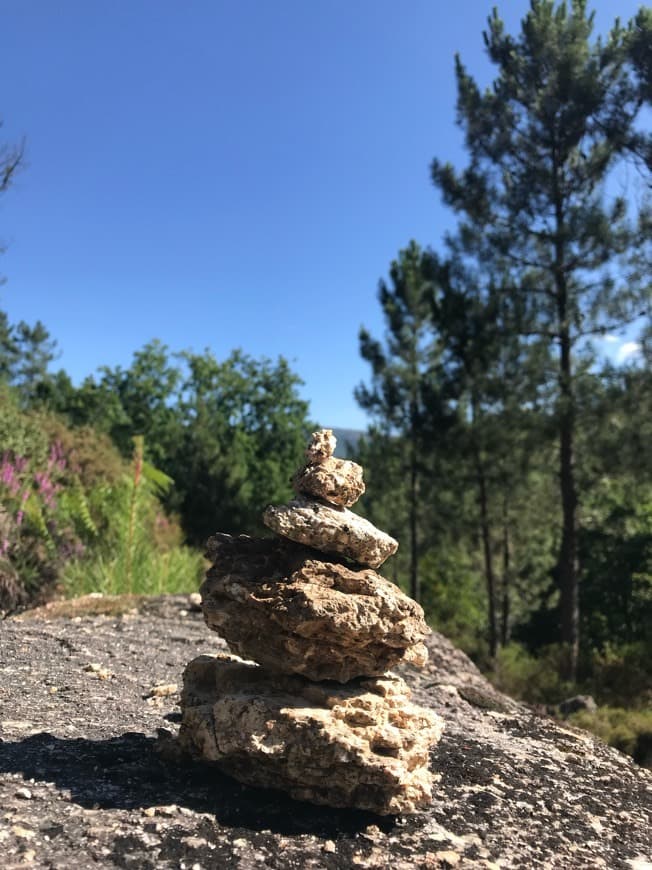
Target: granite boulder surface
[(89, 695)]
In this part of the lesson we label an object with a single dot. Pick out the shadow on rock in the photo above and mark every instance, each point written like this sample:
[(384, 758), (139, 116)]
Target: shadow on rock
[(127, 772)]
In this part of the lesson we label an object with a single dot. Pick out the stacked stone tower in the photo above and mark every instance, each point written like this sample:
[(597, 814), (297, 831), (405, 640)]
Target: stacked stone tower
[(311, 707)]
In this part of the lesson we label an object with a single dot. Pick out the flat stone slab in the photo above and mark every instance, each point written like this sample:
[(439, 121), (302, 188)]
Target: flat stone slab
[(275, 602), (330, 530), (363, 745)]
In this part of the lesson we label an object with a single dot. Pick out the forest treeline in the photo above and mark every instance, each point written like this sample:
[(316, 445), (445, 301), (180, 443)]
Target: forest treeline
[(507, 453), (174, 447), (511, 459)]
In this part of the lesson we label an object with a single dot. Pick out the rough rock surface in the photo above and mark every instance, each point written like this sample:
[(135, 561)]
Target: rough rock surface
[(362, 745), (330, 530), (276, 603), (322, 446), (337, 481), (83, 785)]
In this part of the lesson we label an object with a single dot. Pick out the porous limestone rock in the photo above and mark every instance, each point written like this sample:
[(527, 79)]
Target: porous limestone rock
[(274, 602), (330, 530), (362, 745), (338, 481), (322, 446)]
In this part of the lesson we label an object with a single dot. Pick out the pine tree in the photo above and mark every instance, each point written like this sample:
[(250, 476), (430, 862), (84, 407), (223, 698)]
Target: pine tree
[(400, 397), (542, 141)]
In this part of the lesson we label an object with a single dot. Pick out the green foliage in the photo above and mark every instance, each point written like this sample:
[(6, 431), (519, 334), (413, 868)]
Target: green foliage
[(538, 218), (25, 356), (44, 516), (534, 679), (405, 394), (627, 730), (243, 432), (453, 600), (228, 433), (149, 572), (139, 551), (75, 517), (20, 434), (620, 674)]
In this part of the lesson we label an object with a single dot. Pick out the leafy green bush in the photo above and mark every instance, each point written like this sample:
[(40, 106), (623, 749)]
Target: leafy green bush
[(20, 433), (627, 730), (75, 517), (621, 675), (533, 679), (45, 517), (452, 600), (150, 572), (139, 551)]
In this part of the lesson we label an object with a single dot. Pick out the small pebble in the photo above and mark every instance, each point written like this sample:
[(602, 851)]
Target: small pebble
[(163, 690), (23, 793)]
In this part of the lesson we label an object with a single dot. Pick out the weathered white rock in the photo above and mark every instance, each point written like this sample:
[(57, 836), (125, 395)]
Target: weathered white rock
[(330, 530), (275, 603), (362, 745)]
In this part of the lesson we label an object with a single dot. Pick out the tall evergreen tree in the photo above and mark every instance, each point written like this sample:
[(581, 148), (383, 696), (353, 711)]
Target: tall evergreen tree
[(542, 141), (36, 349), (8, 349), (492, 373), (400, 396)]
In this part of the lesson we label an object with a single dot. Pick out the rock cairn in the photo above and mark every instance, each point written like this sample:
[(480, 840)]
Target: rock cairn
[(309, 705)]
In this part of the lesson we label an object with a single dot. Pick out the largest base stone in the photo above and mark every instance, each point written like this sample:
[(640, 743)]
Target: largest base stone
[(362, 745)]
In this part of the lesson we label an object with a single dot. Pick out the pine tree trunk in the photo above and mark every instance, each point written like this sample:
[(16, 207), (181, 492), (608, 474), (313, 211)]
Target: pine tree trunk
[(567, 570), (567, 565), (506, 589), (488, 559), (415, 591)]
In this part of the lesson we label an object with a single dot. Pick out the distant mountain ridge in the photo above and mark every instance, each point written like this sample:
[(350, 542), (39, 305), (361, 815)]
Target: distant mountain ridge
[(347, 441)]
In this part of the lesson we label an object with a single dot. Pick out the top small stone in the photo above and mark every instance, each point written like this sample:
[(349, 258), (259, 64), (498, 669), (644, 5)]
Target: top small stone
[(321, 447), (336, 481)]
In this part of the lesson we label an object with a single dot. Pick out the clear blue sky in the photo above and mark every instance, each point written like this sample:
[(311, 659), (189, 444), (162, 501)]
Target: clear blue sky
[(228, 174)]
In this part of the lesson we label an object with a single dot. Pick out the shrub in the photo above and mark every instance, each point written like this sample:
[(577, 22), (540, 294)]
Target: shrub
[(41, 523), (139, 551), (627, 730), (533, 679), (75, 517), (453, 600), (621, 674)]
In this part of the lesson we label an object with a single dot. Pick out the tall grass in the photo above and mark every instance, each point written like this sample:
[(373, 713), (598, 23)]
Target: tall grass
[(151, 573)]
